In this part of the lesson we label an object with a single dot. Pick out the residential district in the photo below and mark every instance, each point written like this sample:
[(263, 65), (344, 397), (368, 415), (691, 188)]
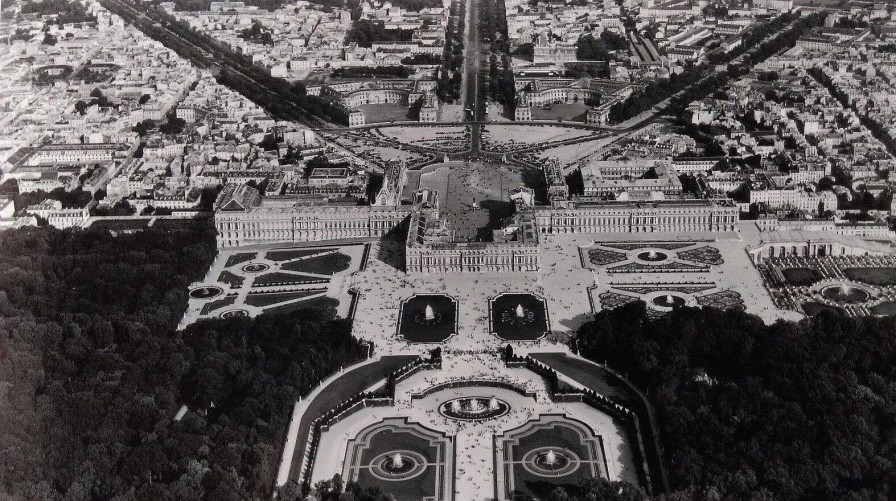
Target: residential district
[(465, 175)]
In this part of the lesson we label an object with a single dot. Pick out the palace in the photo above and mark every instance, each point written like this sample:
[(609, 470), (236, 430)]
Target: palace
[(638, 217), (243, 218), (431, 248), (350, 95), (542, 91)]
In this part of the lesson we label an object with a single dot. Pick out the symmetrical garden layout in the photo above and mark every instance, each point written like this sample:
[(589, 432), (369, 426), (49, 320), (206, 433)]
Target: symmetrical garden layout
[(654, 257), (248, 283), (473, 425), (855, 285), (406, 459), (513, 316), (542, 454), (663, 274)]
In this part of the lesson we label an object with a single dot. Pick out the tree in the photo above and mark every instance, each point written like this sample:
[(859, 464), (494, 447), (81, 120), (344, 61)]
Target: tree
[(87, 306), (101, 99), (737, 401), (364, 32), (142, 128), (174, 125), (81, 106), (508, 352)]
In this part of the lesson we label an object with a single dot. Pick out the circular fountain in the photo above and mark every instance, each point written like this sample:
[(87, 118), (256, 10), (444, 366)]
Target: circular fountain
[(652, 256), (668, 301), (234, 314), (255, 267), (551, 461), (474, 408), (398, 465), (206, 292), (845, 293)]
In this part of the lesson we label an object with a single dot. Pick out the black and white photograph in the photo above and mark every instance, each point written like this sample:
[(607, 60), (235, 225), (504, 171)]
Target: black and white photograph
[(447, 250)]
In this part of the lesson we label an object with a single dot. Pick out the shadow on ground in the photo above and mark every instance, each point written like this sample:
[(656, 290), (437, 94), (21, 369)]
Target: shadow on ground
[(497, 210), (391, 249)]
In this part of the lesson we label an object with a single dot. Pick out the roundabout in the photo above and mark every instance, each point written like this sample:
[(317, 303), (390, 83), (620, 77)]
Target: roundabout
[(474, 408)]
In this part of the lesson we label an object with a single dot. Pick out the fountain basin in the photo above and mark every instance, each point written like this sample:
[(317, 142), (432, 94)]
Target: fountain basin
[(255, 267), (668, 301), (206, 292), (652, 256), (428, 318), (848, 294), (234, 314), (518, 316), (551, 461), (474, 408), (395, 466)]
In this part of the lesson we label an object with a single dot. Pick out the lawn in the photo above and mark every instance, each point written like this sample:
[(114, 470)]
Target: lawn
[(327, 264), (813, 308), (872, 276), (385, 113), (231, 279), (239, 257), (321, 302), (277, 278), (886, 308), (262, 299), (801, 276), (288, 254), (217, 304)]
